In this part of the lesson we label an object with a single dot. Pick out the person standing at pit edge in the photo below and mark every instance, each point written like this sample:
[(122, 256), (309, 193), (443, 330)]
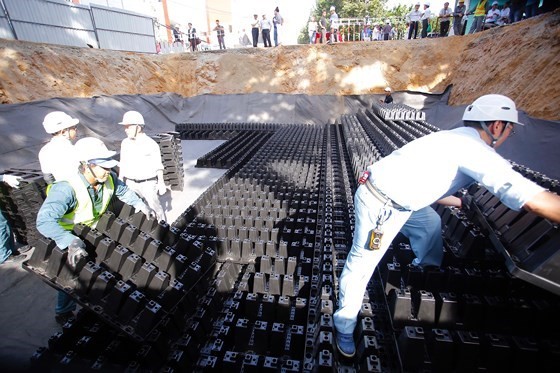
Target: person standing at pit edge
[(426, 16), (221, 33), (278, 22), (255, 30), (191, 35), (444, 20), (140, 165), (81, 199), (398, 190), (265, 29), (413, 20), (458, 15)]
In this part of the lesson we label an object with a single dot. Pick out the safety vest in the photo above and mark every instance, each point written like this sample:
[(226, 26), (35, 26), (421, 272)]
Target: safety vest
[(480, 9), (85, 212)]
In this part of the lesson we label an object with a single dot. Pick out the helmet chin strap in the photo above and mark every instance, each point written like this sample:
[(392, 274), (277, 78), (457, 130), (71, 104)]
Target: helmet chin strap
[(494, 139), (97, 180), (135, 132)]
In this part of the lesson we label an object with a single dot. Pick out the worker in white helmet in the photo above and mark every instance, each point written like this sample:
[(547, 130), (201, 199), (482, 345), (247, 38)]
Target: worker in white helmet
[(81, 199), (140, 166), (57, 157), (398, 190), (388, 98), (426, 17)]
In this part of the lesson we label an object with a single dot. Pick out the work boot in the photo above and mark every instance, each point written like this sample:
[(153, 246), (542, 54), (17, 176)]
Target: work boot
[(345, 344), (18, 258), (24, 249), (62, 318)]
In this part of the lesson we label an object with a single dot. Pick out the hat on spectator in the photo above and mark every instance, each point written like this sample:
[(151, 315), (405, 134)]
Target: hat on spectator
[(388, 89), (494, 3), (332, 8)]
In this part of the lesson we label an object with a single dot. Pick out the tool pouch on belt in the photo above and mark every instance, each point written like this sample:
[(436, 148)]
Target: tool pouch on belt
[(375, 239)]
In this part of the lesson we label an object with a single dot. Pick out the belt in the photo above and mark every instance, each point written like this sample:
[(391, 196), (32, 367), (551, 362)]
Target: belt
[(140, 181), (382, 197)]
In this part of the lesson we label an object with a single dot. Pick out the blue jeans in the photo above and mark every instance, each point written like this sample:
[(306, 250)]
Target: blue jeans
[(64, 303), (7, 246), (423, 229), (361, 262), (275, 36), (477, 24)]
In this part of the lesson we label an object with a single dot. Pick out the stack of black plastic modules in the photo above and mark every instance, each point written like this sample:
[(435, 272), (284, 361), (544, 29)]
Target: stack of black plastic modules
[(20, 205), (172, 158), (246, 279)]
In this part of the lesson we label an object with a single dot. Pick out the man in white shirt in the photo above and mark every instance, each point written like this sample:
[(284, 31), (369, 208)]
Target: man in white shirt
[(57, 157), (504, 14), (397, 194), (265, 29), (444, 20), (426, 16), (493, 15), (413, 19), (140, 164), (334, 25)]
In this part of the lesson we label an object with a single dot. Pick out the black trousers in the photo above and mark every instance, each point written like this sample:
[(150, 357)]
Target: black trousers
[(255, 31), (424, 28), (413, 28), (444, 28), (266, 37)]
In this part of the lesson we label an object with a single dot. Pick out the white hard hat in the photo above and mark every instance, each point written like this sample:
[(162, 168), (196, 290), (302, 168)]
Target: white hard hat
[(427, 3), (333, 8), (132, 117), (94, 151), (388, 89), (495, 3), (492, 107), (417, 4), (57, 121)]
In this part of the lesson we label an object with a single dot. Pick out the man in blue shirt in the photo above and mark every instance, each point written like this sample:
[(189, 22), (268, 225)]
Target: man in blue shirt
[(82, 198), (402, 186)]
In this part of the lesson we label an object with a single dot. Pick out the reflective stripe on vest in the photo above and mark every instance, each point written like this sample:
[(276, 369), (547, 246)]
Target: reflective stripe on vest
[(84, 212)]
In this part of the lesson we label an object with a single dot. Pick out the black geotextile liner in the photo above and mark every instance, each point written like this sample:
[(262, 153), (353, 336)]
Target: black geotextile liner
[(22, 135)]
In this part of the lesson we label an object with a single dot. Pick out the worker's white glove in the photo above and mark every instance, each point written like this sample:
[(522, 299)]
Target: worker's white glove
[(76, 251), (161, 188), (148, 211), (11, 180)]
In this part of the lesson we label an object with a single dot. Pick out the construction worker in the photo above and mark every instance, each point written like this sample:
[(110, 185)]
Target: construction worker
[(57, 157), (399, 189), (388, 98), (82, 198), (140, 165), (8, 253)]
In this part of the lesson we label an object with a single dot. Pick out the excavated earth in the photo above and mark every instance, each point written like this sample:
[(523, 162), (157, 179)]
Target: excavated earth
[(520, 60)]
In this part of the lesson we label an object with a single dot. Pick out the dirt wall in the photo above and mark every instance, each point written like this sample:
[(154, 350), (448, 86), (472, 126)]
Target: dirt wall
[(520, 60)]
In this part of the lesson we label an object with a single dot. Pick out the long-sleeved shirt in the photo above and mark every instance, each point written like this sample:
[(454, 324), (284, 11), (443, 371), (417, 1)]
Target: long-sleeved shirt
[(437, 165), (62, 199), (58, 158), (140, 158)]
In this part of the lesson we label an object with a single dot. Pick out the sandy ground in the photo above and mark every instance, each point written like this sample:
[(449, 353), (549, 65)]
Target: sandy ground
[(519, 60), (27, 303)]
